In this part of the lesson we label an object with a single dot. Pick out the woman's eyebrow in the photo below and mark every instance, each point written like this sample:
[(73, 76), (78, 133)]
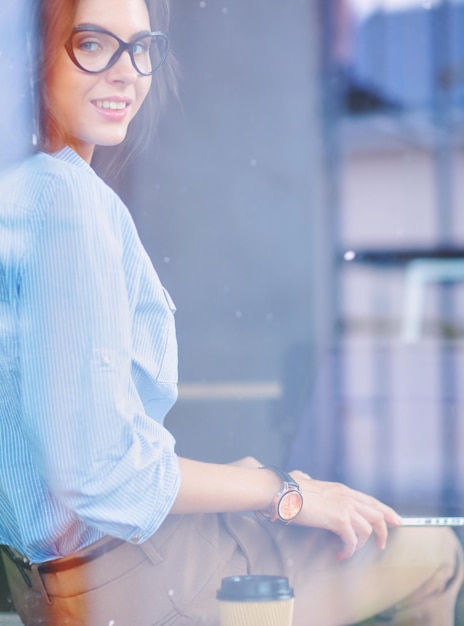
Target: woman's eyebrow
[(141, 33), (90, 26)]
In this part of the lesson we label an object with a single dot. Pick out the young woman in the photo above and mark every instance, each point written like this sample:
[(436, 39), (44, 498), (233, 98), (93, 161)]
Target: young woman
[(100, 521)]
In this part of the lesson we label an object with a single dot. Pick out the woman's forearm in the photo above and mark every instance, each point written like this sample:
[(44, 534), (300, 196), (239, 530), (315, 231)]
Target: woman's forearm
[(352, 515), (214, 488)]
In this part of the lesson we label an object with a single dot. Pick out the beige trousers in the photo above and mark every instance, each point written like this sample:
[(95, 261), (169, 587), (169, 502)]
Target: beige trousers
[(172, 578)]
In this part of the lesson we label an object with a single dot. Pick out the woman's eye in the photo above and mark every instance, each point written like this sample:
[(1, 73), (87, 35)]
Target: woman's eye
[(89, 45), (140, 47)]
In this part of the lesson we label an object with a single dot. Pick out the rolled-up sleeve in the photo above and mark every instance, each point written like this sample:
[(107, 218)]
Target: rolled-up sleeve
[(92, 444)]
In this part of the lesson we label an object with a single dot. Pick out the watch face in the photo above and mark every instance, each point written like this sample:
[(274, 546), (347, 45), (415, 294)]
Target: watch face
[(290, 505)]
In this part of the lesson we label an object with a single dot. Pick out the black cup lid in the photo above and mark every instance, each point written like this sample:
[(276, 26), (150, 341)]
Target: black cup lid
[(254, 588)]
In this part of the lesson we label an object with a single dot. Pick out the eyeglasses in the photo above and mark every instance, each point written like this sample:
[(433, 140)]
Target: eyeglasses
[(95, 50)]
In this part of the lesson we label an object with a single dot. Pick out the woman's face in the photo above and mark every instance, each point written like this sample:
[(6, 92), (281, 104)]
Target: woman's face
[(95, 109)]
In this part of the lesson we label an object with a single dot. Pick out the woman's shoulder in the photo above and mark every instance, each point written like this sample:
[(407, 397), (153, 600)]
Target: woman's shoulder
[(55, 184), (44, 167), (40, 175), (61, 193), (69, 175)]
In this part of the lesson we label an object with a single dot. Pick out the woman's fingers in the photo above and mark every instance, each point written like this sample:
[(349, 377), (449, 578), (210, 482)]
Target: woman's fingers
[(352, 515), (377, 523), (356, 525), (390, 515), (349, 540)]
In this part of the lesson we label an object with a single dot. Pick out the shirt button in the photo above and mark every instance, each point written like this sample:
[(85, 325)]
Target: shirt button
[(135, 539)]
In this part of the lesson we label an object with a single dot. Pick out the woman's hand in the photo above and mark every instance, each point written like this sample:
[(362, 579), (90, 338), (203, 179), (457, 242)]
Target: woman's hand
[(240, 486), (350, 514)]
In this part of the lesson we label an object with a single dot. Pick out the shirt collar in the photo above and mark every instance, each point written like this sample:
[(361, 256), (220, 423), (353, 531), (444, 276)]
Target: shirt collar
[(68, 155)]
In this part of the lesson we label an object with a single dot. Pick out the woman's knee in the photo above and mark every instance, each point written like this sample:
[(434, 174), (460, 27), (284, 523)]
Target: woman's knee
[(441, 552)]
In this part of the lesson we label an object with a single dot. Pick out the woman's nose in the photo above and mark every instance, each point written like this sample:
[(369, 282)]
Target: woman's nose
[(123, 70)]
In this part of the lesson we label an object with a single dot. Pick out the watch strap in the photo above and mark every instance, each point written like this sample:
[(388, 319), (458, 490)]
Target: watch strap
[(285, 476), (289, 485)]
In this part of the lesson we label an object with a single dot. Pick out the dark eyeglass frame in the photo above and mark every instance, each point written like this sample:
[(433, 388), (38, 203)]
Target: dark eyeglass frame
[(123, 47)]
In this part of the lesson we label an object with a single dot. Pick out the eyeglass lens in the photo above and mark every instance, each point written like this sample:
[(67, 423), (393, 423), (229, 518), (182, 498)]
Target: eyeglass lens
[(94, 51)]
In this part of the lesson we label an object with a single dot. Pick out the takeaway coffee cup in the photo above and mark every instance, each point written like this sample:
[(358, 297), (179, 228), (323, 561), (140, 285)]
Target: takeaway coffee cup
[(255, 601)]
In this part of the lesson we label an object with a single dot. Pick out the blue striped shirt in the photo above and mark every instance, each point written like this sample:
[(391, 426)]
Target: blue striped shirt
[(88, 365)]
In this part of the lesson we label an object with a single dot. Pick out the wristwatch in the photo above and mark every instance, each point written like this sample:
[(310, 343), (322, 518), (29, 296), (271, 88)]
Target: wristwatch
[(287, 502)]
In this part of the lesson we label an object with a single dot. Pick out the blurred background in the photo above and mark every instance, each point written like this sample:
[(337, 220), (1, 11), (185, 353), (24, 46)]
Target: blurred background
[(303, 205)]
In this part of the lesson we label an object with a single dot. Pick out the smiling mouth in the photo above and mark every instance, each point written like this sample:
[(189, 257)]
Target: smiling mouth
[(110, 105)]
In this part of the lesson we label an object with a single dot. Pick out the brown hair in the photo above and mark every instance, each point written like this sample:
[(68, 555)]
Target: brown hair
[(56, 18)]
